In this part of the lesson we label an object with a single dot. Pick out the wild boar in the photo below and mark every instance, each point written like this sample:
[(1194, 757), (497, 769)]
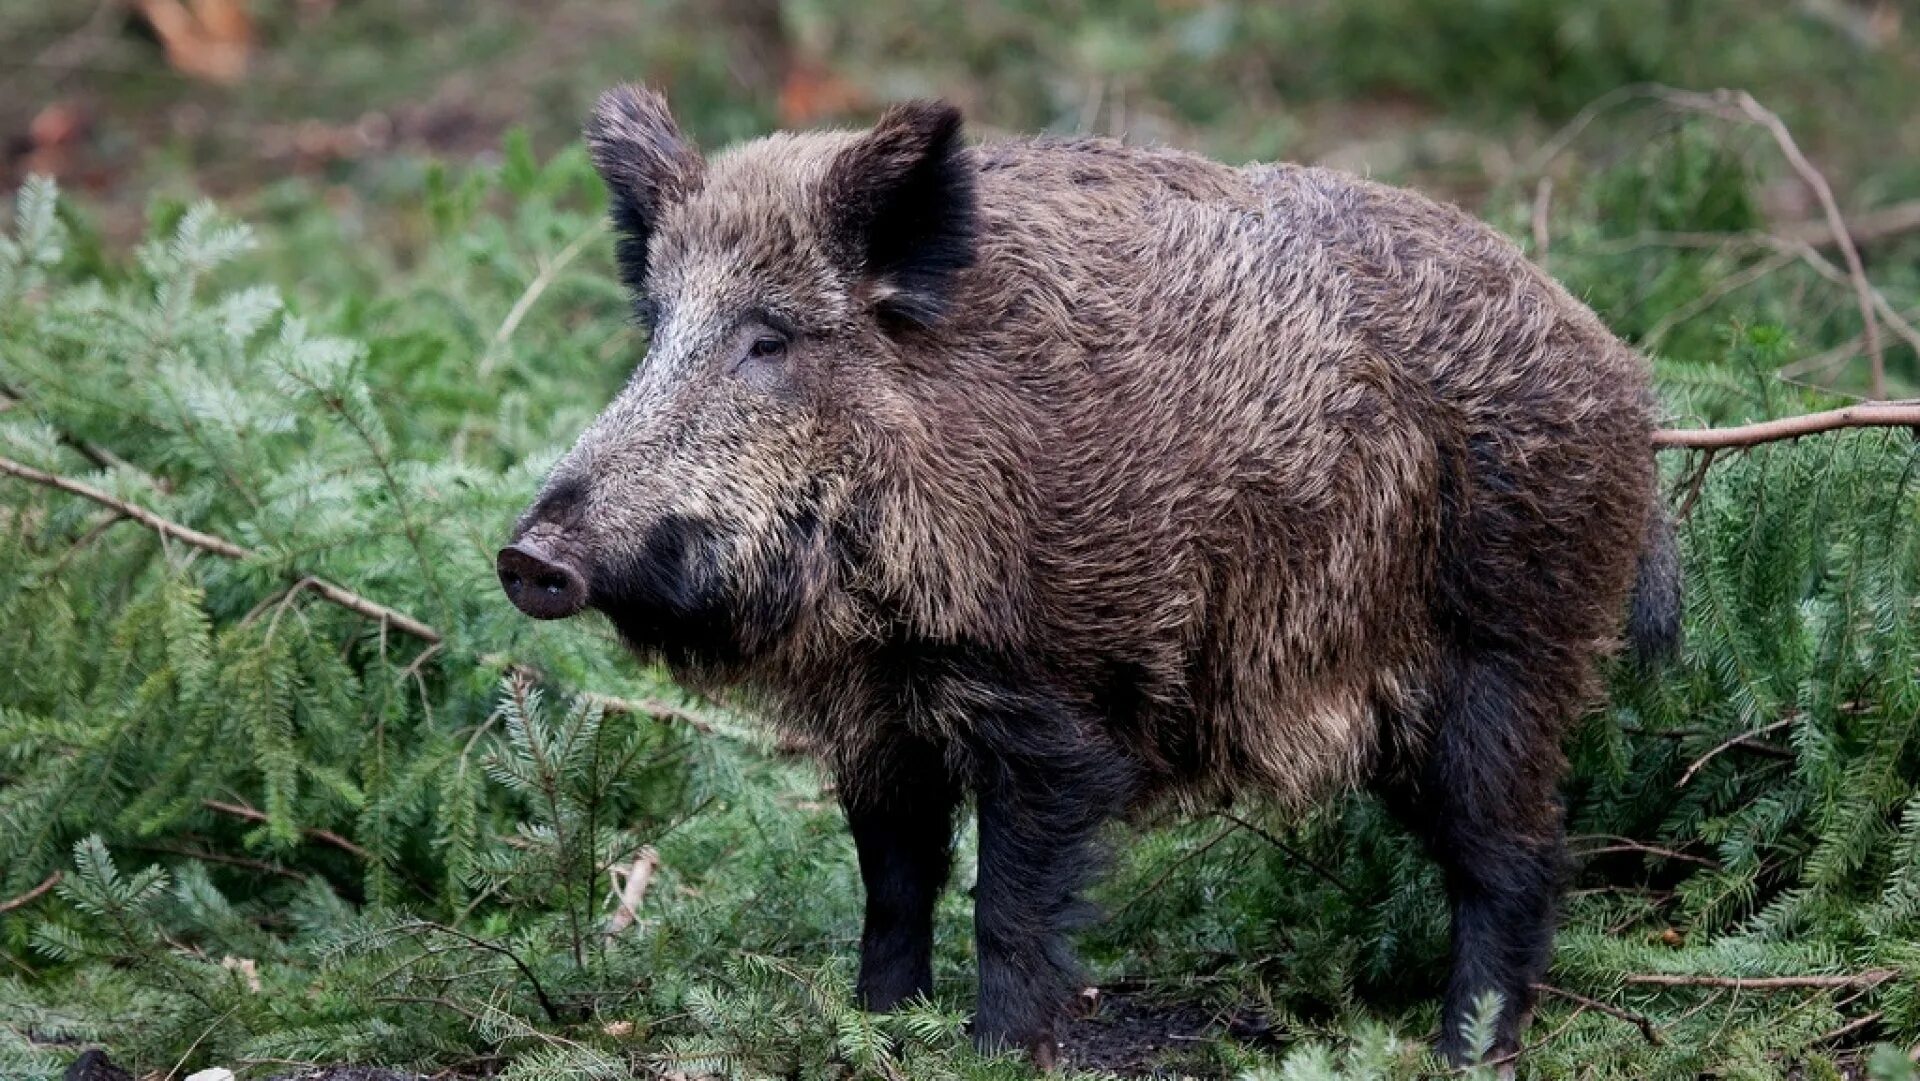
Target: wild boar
[(1068, 477)]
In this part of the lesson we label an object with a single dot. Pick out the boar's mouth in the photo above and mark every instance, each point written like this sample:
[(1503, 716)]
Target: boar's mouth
[(675, 598)]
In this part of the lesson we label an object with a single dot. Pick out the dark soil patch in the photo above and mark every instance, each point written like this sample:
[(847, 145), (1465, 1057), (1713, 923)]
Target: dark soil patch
[(1138, 1036)]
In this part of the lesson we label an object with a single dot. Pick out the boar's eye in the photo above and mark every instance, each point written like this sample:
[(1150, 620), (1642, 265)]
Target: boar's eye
[(762, 355)]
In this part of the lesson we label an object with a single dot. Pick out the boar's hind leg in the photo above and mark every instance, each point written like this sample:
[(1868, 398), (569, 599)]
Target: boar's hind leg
[(899, 801), (1044, 791), (1485, 803)]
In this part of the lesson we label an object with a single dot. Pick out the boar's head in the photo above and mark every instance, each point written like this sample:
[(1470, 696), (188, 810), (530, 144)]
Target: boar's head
[(783, 286)]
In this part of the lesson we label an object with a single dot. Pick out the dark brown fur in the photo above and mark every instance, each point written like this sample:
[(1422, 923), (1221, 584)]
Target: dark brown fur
[(1088, 475)]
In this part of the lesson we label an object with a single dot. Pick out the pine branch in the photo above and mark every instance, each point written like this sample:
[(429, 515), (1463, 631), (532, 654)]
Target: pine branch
[(1870, 415), (166, 527)]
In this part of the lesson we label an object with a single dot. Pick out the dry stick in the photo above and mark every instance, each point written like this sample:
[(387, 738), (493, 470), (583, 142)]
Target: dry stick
[(546, 1004), (1850, 1027), (33, 894), (1834, 274), (1870, 227), (1714, 294), (1744, 739), (1640, 1021), (1870, 978), (1542, 237), (1739, 103), (329, 837), (345, 598), (1695, 484), (1617, 845), (1870, 415), (549, 271)]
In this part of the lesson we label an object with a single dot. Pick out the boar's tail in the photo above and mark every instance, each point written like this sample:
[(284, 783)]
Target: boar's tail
[(1653, 624)]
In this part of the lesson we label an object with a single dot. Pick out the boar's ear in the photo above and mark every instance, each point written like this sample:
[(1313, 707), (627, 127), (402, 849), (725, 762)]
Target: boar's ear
[(647, 165), (900, 210)]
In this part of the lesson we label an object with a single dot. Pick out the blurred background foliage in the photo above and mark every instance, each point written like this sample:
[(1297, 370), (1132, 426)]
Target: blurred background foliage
[(281, 833)]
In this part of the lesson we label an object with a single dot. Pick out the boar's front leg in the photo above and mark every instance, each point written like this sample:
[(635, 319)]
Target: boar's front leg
[(1045, 789), (899, 799)]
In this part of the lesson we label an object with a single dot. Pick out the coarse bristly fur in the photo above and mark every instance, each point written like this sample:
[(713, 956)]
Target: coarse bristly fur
[(1064, 476)]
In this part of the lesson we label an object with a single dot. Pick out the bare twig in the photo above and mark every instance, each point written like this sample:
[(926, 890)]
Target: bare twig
[(1870, 415), (1187, 857), (1714, 294), (33, 894), (1293, 852), (345, 598), (1744, 739), (1850, 1027), (539, 992), (1738, 104), (1870, 978), (1893, 319), (1640, 1021), (1695, 484), (1542, 236), (549, 270), (258, 866), (328, 837), (1616, 844), (1869, 227), (145, 517)]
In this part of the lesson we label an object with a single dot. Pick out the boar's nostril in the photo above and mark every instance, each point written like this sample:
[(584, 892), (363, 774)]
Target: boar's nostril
[(539, 583)]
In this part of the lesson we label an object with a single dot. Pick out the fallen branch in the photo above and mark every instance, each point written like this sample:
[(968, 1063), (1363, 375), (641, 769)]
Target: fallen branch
[(1640, 1021), (1871, 978), (1869, 415), (33, 894), (220, 546), (328, 837)]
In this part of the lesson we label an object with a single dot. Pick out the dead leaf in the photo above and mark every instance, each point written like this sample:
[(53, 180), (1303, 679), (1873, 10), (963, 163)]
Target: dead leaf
[(204, 39), (247, 969)]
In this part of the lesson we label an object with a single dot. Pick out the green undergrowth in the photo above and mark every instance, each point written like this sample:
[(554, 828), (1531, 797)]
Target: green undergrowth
[(282, 831)]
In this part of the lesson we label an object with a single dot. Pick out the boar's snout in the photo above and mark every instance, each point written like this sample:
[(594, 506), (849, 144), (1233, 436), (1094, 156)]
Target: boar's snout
[(539, 580)]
